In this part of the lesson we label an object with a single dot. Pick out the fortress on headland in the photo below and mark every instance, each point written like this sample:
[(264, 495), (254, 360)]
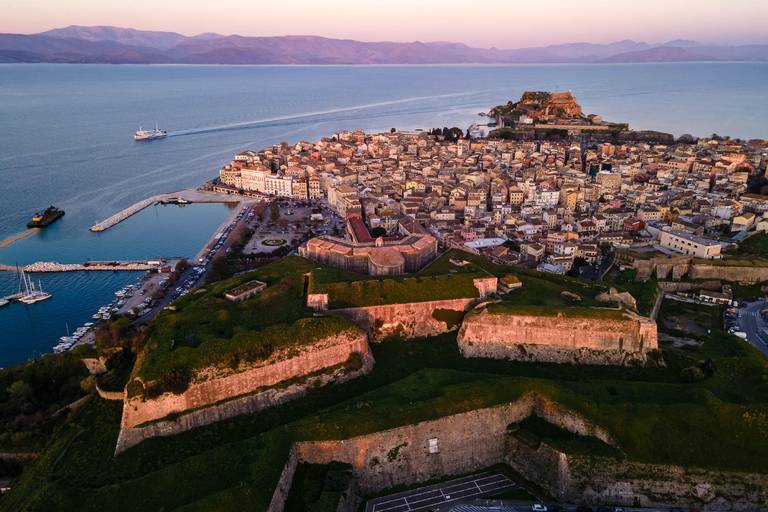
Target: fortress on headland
[(377, 257)]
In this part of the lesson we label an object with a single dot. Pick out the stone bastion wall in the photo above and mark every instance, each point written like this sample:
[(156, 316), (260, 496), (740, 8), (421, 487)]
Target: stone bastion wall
[(475, 440), (448, 446), (677, 267), (204, 392), (558, 339), (419, 319)]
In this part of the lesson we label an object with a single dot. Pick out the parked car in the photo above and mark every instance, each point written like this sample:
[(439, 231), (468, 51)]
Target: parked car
[(538, 507)]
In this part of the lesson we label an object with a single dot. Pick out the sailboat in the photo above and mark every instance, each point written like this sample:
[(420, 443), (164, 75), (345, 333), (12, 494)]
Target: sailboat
[(32, 294), (65, 342)]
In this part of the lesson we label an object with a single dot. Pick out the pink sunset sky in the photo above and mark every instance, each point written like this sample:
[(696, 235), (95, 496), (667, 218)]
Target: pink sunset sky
[(480, 23)]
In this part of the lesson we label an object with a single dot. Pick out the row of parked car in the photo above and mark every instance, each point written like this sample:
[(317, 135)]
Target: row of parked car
[(187, 284)]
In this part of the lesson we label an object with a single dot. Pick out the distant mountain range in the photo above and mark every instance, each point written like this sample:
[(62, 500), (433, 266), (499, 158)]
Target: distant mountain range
[(114, 45)]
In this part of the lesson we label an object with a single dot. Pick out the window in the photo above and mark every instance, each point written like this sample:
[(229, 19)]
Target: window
[(433, 445)]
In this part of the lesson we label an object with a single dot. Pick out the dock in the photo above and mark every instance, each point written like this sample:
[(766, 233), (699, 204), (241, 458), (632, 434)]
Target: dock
[(181, 197)]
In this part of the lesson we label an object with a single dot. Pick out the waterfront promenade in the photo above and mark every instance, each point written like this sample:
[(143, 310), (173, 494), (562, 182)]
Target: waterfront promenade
[(189, 195)]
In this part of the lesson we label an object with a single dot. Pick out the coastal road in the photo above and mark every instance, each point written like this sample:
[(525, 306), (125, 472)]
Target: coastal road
[(232, 237), (753, 324)]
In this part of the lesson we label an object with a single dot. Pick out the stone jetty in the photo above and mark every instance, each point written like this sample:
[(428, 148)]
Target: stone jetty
[(25, 234), (52, 266), (131, 210)]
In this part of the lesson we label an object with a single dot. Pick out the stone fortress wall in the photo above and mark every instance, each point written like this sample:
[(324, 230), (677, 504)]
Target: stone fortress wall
[(324, 354), (677, 267), (558, 339), (475, 440), (416, 320)]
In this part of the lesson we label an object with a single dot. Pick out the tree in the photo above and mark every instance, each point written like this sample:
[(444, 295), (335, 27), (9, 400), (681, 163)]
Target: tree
[(378, 231), (274, 211), (692, 374), (393, 130), (578, 261), (182, 265)]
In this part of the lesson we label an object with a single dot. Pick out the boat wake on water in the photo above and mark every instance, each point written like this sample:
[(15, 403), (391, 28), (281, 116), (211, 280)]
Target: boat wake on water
[(250, 124)]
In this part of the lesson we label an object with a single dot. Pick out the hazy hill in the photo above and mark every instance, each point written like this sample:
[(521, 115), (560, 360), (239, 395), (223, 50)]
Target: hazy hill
[(124, 45), (127, 36), (660, 54)]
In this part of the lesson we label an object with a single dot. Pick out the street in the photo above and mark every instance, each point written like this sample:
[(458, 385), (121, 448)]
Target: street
[(753, 324)]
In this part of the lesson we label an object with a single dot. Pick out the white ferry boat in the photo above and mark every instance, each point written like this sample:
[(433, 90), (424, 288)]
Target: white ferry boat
[(150, 134)]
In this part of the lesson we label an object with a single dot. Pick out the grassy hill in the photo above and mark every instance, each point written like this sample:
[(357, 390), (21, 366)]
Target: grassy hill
[(653, 414)]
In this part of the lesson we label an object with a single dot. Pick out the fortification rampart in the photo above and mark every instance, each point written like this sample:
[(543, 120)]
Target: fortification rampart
[(592, 339), (418, 319), (676, 267), (131, 436), (449, 446), (478, 439), (210, 389)]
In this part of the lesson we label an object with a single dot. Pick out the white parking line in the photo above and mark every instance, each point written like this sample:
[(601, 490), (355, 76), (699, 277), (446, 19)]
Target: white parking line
[(467, 488)]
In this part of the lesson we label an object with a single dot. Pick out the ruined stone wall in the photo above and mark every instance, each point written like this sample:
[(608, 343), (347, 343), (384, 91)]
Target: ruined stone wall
[(414, 320), (558, 339), (324, 354)]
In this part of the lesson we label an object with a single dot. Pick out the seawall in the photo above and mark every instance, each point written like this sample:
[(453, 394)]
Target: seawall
[(560, 339), (211, 389)]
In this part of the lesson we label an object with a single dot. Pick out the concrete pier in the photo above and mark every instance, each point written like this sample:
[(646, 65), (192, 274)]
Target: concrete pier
[(121, 216), (190, 196)]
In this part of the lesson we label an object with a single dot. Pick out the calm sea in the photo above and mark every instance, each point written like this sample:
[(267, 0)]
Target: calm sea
[(67, 141)]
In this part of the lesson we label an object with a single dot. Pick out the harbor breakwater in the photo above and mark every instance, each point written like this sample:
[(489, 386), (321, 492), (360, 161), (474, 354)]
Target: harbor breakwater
[(131, 210), (187, 196), (9, 241), (52, 266)]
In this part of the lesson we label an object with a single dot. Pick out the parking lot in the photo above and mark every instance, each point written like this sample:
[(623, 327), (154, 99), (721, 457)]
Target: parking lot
[(434, 496)]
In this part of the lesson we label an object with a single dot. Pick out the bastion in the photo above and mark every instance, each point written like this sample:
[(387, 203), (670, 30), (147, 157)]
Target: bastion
[(215, 384), (570, 335), (415, 319)]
